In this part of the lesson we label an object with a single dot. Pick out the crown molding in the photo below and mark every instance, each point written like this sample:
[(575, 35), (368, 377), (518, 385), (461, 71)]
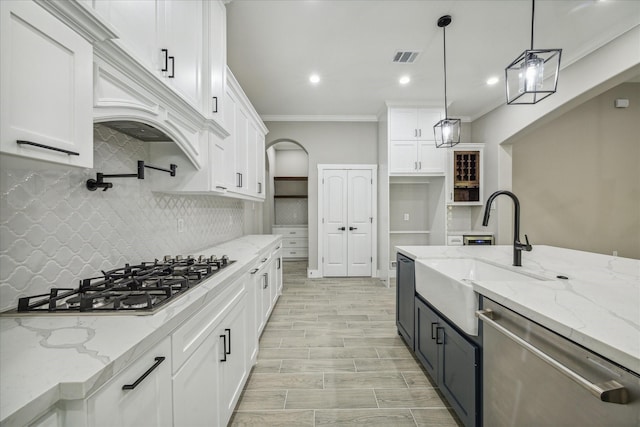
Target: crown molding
[(318, 118)]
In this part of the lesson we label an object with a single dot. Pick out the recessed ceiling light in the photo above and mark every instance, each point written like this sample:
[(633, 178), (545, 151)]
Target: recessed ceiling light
[(314, 78), (493, 80), (405, 80)]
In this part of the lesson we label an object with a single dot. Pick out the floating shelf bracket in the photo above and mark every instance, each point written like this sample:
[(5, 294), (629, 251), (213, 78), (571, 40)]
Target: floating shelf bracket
[(94, 184)]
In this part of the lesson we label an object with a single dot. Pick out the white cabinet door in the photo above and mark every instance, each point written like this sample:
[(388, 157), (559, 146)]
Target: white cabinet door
[(266, 293), (46, 80), (222, 161), (233, 358), (403, 123), (241, 150), (260, 164), (252, 159), (183, 37), (195, 387), (427, 118), (149, 402), (217, 61), (138, 24), (403, 157), (431, 160)]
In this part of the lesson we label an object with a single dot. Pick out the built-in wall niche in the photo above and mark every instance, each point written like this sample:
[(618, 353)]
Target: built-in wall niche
[(416, 212), (290, 187)]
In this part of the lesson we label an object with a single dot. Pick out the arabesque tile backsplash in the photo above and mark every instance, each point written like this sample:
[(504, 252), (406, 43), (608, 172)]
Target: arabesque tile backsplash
[(53, 231)]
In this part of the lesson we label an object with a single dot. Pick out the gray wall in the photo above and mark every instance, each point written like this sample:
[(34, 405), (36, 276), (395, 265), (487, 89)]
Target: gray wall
[(327, 143), (578, 177)]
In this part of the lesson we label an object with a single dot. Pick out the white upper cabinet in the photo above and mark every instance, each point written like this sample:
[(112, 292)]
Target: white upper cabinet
[(183, 38), (411, 142), (217, 63), (407, 124), (46, 86), (166, 37), (138, 24)]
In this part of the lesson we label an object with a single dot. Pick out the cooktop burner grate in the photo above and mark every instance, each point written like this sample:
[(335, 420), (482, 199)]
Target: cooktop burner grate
[(140, 288)]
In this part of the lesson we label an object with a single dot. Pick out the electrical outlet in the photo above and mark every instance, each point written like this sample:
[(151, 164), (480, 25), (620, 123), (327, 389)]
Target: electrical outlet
[(406, 217), (180, 225), (615, 253)]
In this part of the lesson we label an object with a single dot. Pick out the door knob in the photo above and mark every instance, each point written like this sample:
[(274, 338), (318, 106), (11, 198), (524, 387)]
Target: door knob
[(353, 228), (342, 228)]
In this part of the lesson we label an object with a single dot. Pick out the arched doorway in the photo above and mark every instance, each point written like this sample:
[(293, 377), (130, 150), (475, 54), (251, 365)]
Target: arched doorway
[(287, 171)]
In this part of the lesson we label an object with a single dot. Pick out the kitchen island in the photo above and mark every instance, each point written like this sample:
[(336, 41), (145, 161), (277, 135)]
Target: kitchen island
[(45, 359), (554, 333), (597, 306)]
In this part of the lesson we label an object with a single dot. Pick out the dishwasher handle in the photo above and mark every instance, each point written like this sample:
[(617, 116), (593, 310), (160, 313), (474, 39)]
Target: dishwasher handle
[(609, 391)]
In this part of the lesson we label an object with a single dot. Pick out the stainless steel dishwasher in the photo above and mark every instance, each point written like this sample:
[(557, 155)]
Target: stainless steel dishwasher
[(534, 377)]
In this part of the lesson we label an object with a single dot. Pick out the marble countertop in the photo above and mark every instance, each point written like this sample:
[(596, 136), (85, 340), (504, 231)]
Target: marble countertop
[(598, 306), (45, 358)]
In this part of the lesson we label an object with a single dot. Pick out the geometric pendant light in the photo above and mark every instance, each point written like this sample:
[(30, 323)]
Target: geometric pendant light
[(533, 75), (447, 130)]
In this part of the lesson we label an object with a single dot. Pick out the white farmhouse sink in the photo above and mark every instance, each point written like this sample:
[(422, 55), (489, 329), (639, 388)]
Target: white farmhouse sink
[(447, 284)]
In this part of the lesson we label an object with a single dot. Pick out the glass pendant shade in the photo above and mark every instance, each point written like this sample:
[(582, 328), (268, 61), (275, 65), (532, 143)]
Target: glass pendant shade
[(447, 132), (533, 76)]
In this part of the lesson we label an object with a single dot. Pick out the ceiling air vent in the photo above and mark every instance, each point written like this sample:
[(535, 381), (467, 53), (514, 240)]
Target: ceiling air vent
[(405, 57)]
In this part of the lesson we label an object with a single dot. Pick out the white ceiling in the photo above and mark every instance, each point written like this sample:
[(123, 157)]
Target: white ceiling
[(273, 47)]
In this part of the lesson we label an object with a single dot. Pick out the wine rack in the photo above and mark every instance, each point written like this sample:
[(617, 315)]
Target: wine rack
[(466, 179)]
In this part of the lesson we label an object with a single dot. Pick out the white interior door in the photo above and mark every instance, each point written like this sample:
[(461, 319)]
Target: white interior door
[(335, 223), (347, 240), (359, 223)]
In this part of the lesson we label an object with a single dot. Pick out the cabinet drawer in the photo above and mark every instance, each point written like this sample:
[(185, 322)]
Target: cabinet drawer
[(291, 231), (295, 253), (295, 242), (188, 337)]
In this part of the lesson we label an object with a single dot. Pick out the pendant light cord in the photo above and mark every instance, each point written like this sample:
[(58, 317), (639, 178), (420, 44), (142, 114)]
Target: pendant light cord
[(533, 13), (444, 44)]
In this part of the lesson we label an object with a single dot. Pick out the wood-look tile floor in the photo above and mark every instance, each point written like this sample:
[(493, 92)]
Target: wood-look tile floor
[(331, 355)]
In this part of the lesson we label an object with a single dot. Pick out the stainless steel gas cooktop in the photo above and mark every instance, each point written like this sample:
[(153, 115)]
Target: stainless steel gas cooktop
[(132, 289)]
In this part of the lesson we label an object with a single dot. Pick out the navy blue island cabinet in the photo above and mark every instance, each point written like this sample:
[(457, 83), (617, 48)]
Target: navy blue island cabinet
[(450, 357), (405, 298)]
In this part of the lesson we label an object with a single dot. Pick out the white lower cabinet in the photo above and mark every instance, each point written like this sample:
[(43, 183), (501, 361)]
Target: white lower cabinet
[(211, 365), (233, 363), (194, 376), (139, 395), (195, 387)]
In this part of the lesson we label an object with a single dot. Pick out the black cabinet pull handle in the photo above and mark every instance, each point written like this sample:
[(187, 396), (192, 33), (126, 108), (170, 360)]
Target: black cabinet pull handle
[(438, 329), (159, 360), (342, 228), (224, 352), (254, 271), (265, 277), (173, 67), (433, 332), (353, 228), (214, 107), (48, 147), (165, 52), (228, 331), (238, 179)]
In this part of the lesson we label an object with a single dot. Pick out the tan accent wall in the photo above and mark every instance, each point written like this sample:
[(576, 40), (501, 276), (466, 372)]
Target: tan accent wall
[(578, 177)]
